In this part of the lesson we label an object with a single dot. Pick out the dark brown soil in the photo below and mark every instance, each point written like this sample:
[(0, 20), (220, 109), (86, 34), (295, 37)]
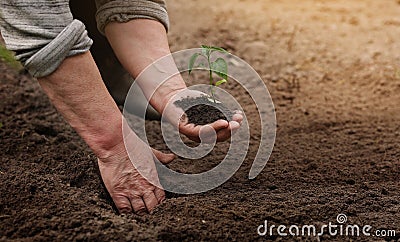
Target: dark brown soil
[(202, 111), (333, 70)]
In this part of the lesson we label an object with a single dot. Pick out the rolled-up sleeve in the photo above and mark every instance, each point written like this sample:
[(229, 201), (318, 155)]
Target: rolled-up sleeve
[(42, 33), (125, 10)]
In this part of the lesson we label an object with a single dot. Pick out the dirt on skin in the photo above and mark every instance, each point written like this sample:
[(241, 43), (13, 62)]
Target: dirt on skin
[(333, 70)]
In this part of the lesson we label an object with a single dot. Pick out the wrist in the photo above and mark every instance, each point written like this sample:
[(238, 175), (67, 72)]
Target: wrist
[(166, 92), (106, 139)]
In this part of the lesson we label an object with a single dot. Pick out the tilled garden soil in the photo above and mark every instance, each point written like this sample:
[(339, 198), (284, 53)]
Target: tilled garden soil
[(333, 71)]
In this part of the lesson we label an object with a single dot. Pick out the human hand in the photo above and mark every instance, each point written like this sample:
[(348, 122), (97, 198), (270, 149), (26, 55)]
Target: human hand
[(130, 190), (222, 128)]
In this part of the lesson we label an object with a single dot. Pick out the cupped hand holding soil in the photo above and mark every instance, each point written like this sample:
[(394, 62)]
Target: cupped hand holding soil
[(176, 115)]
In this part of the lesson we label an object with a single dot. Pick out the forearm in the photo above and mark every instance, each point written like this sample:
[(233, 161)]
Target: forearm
[(77, 91), (140, 42), (137, 44)]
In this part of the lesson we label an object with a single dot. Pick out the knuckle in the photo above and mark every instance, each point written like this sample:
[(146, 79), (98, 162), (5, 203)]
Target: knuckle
[(124, 209), (139, 208), (148, 193)]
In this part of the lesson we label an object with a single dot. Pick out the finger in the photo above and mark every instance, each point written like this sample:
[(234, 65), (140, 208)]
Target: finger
[(138, 205), (193, 132), (233, 126), (162, 157), (123, 205), (194, 138), (189, 129), (208, 134), (160, 194), (225, 134), (150, 200), (238, 117)]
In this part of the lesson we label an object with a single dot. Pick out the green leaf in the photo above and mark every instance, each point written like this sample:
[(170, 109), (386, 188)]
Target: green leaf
[(209, 49), (192, 61), (213, 48), (220, 82), (220, 68), (205, 50), (1, 125)]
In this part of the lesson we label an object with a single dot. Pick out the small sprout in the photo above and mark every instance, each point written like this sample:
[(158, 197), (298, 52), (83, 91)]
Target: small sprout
[(1, 125), (218, 67)]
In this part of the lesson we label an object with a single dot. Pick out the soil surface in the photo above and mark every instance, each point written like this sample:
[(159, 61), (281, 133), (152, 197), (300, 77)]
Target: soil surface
[(202, 110), (333, 70)]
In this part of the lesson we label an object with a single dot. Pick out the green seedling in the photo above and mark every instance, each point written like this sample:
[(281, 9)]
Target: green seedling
[(218, 67)]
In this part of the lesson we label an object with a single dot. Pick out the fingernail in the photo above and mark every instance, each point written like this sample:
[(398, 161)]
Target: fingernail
[(234, 125)]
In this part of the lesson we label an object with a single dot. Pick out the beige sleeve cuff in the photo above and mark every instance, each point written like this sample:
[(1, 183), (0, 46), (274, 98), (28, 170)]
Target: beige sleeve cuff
[(125, 10)]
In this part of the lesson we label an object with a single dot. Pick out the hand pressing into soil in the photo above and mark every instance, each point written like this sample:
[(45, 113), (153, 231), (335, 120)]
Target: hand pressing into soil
[(128, 188), (97, 119), (222, 127)]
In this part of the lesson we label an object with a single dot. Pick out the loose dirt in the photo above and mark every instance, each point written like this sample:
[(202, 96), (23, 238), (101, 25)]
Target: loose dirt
[(202, 110)]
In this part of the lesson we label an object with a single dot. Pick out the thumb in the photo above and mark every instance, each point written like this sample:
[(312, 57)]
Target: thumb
[(162, 157)]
